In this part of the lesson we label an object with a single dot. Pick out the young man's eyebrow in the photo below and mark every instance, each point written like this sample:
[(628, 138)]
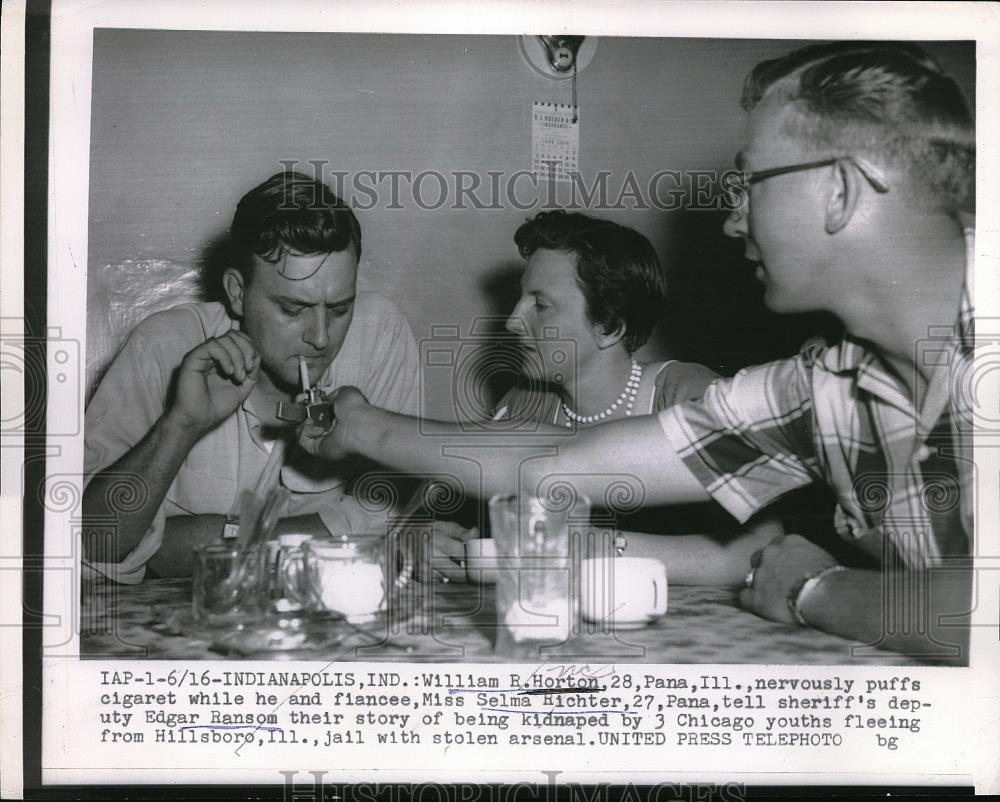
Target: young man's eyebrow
[(286, 299)]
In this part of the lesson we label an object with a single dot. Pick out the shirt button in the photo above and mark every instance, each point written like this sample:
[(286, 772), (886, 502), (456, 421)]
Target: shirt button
[(924, 453)]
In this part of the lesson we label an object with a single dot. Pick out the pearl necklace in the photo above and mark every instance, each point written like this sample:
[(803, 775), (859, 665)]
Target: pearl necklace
[(627, 395)]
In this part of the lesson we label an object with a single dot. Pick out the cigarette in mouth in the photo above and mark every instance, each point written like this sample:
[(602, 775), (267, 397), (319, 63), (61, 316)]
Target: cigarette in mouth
[(304, 374)]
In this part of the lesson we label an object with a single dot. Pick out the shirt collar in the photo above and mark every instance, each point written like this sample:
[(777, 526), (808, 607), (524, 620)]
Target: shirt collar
[(857, 358)]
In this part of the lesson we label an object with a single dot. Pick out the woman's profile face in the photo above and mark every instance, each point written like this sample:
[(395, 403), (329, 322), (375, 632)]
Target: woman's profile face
[(550, 318)]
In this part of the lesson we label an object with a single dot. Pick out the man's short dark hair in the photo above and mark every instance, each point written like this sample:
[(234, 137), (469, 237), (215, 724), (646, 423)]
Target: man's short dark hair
[(617, 269), (291, 213), (888, 100)]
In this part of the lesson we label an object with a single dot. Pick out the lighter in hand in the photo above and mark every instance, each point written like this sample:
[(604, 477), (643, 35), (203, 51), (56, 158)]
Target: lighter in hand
[(316, 406)]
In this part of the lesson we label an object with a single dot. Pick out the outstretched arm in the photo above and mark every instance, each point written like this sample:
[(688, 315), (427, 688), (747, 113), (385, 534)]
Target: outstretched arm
[(490, 463), (706, 559)]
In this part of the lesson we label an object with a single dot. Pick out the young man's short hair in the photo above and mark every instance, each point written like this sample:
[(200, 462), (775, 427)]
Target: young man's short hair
[(617, 269), (291, 213), (888, 100)]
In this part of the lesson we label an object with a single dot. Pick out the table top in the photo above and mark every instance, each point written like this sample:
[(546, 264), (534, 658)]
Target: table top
[(456, 623)]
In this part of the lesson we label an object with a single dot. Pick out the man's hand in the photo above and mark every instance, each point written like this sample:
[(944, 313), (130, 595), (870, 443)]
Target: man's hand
[(331, 443), (444, 555), (778, 567), (214, 379)]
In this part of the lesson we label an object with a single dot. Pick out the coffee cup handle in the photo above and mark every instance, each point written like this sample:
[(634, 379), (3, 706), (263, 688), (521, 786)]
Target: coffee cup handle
[(290, 568), (405, 573), (659, 594)]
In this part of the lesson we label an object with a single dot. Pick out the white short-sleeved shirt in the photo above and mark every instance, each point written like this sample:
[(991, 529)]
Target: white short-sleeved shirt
[(379, 356)]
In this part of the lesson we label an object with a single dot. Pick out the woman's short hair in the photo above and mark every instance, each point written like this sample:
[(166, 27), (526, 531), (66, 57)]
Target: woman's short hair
[(291, 213), (888, 100), (617, 269)]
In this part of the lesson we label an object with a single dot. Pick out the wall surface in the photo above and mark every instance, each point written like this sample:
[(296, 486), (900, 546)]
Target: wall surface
[(183, 123)]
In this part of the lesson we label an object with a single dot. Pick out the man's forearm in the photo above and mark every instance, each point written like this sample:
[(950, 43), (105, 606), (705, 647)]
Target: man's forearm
[(184, 532), (919, 613), (398, 442), (633, 451), (705, 559), (149, 467), (181, 534)]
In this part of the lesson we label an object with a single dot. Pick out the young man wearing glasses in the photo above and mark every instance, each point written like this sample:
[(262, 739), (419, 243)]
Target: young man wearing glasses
[(859, 163)]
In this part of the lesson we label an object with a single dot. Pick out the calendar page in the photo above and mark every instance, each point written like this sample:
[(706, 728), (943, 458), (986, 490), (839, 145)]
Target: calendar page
[(555, 140)]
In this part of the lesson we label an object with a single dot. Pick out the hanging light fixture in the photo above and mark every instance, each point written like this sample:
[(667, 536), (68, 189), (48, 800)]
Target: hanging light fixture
[(557, 56)]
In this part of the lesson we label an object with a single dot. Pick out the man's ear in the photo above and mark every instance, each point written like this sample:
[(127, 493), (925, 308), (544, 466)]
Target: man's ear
[(234, 284), (607, 339), (845, 188)]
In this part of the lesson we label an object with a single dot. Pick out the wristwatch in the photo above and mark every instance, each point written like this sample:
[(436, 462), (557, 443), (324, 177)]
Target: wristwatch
[(231, 527), (802, 589)]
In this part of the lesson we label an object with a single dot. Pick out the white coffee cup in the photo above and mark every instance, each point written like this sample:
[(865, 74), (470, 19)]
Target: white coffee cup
[(624, 592), (481, 560)]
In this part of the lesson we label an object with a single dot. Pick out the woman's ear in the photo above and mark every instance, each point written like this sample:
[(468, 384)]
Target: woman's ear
[(608, 338), (845, 187), (234, 284)]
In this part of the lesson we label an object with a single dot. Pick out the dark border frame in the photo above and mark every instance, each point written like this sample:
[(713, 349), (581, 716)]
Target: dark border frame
[(36, 188), (37, 39)]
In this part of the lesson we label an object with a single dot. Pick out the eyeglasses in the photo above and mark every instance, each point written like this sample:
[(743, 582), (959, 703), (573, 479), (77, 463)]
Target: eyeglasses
[(746, 180)]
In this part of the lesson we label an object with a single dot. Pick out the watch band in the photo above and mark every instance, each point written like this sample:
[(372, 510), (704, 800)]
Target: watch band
[(805, 587)]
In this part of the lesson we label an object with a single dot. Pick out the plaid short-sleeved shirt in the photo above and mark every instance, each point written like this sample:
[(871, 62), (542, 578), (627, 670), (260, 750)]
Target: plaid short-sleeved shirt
[(901, 467)]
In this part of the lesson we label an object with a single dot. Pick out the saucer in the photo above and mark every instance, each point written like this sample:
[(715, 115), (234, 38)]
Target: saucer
[(626, 625), (278, 635)]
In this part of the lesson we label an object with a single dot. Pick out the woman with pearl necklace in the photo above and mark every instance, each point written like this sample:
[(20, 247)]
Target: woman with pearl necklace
[(591, 293)]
